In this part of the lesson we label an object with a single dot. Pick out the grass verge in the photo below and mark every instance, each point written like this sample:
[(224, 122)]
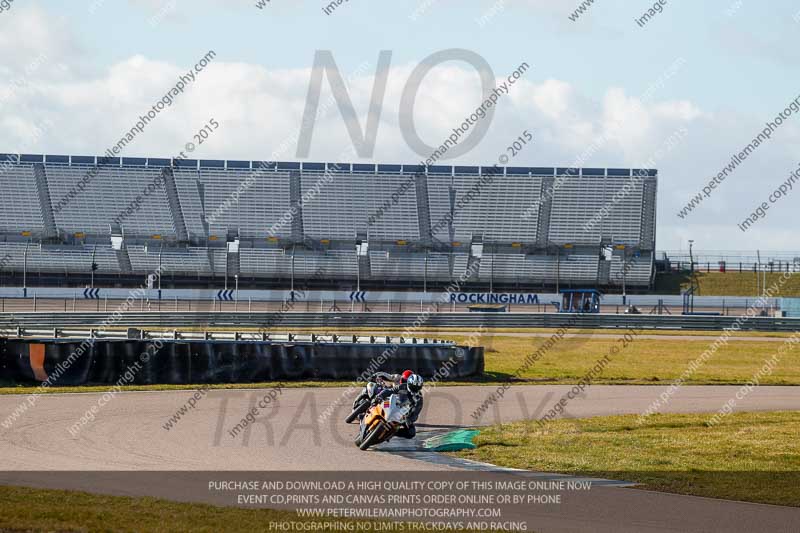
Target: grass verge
[(725, 283), (27, 509), (641, 362), (753, 457)]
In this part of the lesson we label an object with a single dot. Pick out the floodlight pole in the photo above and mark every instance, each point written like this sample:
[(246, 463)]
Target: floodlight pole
[(491, 273), (292, 273), (691, 277), (160, 251), (91, 267), (425, 274), (25, 271), (558, 267), (624, 268)]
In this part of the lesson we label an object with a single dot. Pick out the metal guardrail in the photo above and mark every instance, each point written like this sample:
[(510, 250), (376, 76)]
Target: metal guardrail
[(278, 321), (233, 336)]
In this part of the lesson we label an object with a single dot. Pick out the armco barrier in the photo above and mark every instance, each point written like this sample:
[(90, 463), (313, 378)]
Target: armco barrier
[(180, 361), (378, 321)]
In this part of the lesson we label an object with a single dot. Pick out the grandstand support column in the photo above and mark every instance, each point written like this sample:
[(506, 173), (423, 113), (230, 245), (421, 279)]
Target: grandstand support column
[(648, 227), (474, 260), (48, 217), (423, 209), (232, 261), (543, 223), (124, 260), (295, 200), (604, 272), (174, 204), (558, 268)]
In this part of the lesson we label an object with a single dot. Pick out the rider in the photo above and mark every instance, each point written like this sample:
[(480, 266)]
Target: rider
[(413, 387), (396, 379)]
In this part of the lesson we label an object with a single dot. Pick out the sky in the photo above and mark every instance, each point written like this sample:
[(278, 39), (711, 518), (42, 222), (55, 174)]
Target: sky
[(685, 90)]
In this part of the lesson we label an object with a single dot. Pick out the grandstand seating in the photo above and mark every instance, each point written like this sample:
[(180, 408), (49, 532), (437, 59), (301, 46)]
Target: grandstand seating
[(21, 208), (119, 189), (534, 225), (341, 208), (58, 259), (495, 213), (277, 263), (189, 261), (259, 205), (189, 189), (637, 272)]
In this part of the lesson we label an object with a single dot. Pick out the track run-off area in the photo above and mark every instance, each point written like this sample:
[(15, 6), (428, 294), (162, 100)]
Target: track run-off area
[(137, 431)]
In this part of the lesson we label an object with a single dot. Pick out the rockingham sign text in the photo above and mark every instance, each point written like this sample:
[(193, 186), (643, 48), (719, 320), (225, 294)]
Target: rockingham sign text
[(493, 298)]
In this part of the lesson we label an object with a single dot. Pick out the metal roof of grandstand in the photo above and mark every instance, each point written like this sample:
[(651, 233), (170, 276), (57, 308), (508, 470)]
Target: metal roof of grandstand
[(347, 168)]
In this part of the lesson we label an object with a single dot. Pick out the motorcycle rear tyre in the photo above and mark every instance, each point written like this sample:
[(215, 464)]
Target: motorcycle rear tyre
[(361, 408)]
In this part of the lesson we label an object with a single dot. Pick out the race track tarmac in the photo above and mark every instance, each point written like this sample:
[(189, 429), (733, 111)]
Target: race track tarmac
[(295, 434)]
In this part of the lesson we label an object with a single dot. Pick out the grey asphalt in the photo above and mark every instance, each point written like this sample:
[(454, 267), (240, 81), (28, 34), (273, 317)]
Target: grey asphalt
[(128, 434)]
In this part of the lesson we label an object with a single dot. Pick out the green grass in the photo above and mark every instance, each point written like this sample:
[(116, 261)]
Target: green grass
[(45, 510), (725, 284), (644, 361), (26, 509), (448, 332), (752, 457)]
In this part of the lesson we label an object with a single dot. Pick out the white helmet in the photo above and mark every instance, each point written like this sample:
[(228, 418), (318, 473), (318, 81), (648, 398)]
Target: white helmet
[(414, 383)]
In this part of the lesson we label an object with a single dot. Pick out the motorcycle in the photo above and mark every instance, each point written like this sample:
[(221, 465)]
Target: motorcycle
[(362, 402), (384, 419)]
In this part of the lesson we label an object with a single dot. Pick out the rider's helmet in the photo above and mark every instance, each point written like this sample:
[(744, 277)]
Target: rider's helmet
[(405, 375), (414, 383)]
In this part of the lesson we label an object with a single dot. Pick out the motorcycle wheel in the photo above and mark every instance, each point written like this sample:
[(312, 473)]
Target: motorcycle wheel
[(371, 438), (360, 408)]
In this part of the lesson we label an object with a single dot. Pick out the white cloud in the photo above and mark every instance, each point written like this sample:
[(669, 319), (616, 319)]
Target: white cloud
[(28, 33), (258, 109)]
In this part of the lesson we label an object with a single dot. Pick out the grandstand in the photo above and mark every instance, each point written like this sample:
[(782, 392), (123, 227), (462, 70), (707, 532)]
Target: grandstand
[(374, 225)]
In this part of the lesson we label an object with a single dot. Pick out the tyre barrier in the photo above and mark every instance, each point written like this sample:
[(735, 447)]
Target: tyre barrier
[(167, 361)]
